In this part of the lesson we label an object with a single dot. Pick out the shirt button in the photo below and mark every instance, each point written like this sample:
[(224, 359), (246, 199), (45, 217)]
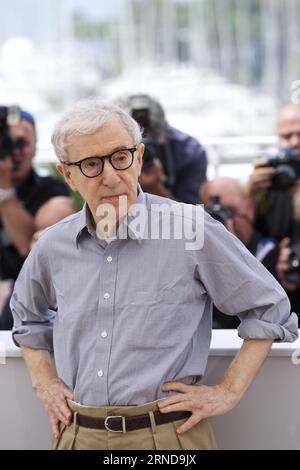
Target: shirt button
[(100, 373), (104, 334), (106, 295), (109, 259)]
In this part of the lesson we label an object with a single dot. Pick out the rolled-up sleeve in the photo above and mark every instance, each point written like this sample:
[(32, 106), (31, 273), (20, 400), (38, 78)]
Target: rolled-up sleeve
[(239, 284), (33, 302)]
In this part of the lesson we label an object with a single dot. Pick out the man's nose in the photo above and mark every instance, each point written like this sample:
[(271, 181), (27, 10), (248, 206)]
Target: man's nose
[(110, 176)]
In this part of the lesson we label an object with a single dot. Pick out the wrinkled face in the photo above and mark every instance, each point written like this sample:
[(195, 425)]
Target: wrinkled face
[(22, 157), (111, 185), (289, 128)]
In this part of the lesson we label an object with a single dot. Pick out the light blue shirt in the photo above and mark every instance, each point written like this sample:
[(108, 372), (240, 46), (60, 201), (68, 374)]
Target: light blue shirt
[(137, 312)]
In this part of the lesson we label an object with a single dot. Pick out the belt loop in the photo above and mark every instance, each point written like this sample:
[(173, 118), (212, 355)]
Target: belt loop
[(154, 430), (152, 421), (75, 430)]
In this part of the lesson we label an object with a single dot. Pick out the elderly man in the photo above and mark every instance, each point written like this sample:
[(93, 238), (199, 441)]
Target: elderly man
[(133, 325), (22, 193)]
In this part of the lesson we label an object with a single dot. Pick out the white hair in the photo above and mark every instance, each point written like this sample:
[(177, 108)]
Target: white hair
[(86, 117)]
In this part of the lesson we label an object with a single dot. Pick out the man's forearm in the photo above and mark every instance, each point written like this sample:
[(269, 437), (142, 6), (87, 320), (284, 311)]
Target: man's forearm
[(40, 366), (52, 392), (245, 366), (18, 223), (203, 401)]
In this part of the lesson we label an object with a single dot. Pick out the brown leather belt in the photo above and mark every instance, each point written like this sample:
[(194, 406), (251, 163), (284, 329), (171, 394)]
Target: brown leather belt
[(129, 423)]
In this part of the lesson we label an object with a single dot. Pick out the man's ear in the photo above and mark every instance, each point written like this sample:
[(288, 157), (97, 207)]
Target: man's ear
[(140, 153), (65, 172)]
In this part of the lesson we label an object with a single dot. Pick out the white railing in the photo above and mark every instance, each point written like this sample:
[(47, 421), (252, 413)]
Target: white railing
[(234, 156)]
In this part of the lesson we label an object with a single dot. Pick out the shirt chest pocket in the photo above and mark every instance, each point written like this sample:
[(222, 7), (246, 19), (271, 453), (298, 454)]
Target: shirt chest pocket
[(157, 317), (152, 320), (155, 298), (167, 297)]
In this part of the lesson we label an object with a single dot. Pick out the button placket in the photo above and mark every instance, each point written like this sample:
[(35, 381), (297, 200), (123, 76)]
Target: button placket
[(106, 312)]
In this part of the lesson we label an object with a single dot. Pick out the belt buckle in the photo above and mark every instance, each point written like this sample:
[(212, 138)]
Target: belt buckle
[(106, 423)]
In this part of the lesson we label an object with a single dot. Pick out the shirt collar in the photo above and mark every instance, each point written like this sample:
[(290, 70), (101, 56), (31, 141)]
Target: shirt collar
[(85, 224), (137, 231)]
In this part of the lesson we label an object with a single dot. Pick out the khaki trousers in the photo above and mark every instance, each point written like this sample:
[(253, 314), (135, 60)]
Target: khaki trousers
[(156, 437)]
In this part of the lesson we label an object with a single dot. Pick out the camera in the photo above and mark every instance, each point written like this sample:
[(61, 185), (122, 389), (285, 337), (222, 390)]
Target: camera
[(287, 165), (293, 273), (219, 212), (9, 116), (153, 149), (140, 111), (142, 116), (149, 114)]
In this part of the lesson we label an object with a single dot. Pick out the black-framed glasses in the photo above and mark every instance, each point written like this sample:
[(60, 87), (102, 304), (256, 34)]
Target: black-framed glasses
[(93, 166)]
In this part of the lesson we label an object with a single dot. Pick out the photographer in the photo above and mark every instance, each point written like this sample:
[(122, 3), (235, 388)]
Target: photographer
[(226, 201), (275, 185), (174, 162), (22, 193)]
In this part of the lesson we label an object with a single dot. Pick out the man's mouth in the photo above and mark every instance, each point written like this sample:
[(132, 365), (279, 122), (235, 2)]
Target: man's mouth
[(112, 198)]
